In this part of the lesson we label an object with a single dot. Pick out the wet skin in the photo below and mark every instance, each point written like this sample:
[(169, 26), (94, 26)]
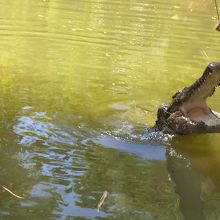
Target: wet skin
[(188, 112)]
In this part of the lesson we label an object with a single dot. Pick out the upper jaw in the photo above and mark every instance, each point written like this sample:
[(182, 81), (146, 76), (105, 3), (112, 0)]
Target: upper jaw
[(194, 106)]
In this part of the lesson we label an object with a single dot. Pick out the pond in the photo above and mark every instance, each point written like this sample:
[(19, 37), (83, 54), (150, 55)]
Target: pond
[(80, 83)]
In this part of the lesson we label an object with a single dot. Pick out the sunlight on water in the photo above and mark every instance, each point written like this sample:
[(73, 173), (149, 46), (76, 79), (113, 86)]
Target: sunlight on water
[(80, 84)]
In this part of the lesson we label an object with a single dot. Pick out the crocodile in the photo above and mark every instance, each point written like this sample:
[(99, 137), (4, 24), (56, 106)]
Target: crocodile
[(188, 112)]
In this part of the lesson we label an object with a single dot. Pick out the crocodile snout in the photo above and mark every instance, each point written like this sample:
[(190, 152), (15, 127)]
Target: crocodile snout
[(214, 66)]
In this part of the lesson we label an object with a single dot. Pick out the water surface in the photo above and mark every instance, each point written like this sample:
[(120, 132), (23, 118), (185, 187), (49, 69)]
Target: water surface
[(80, 82)]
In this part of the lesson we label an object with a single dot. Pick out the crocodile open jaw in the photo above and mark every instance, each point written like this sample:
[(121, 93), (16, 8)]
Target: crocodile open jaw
[(194, 106), (188, 113)]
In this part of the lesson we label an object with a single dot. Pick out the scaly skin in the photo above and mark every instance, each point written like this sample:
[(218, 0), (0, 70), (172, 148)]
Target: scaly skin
[(174, 118)]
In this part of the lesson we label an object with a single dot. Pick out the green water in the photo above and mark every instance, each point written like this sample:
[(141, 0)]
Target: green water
[(79, 83)]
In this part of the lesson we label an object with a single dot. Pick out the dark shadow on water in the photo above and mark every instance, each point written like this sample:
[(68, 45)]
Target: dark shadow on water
[(193, 164), (187, 181)]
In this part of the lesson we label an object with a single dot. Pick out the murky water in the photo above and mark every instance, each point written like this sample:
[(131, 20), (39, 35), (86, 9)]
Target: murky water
[(80, 81)]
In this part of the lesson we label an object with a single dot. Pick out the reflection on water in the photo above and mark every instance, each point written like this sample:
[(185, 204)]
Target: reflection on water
[(74, 169), (80, 84)]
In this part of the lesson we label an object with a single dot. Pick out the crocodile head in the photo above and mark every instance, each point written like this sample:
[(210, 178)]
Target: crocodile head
[(188, 112)]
